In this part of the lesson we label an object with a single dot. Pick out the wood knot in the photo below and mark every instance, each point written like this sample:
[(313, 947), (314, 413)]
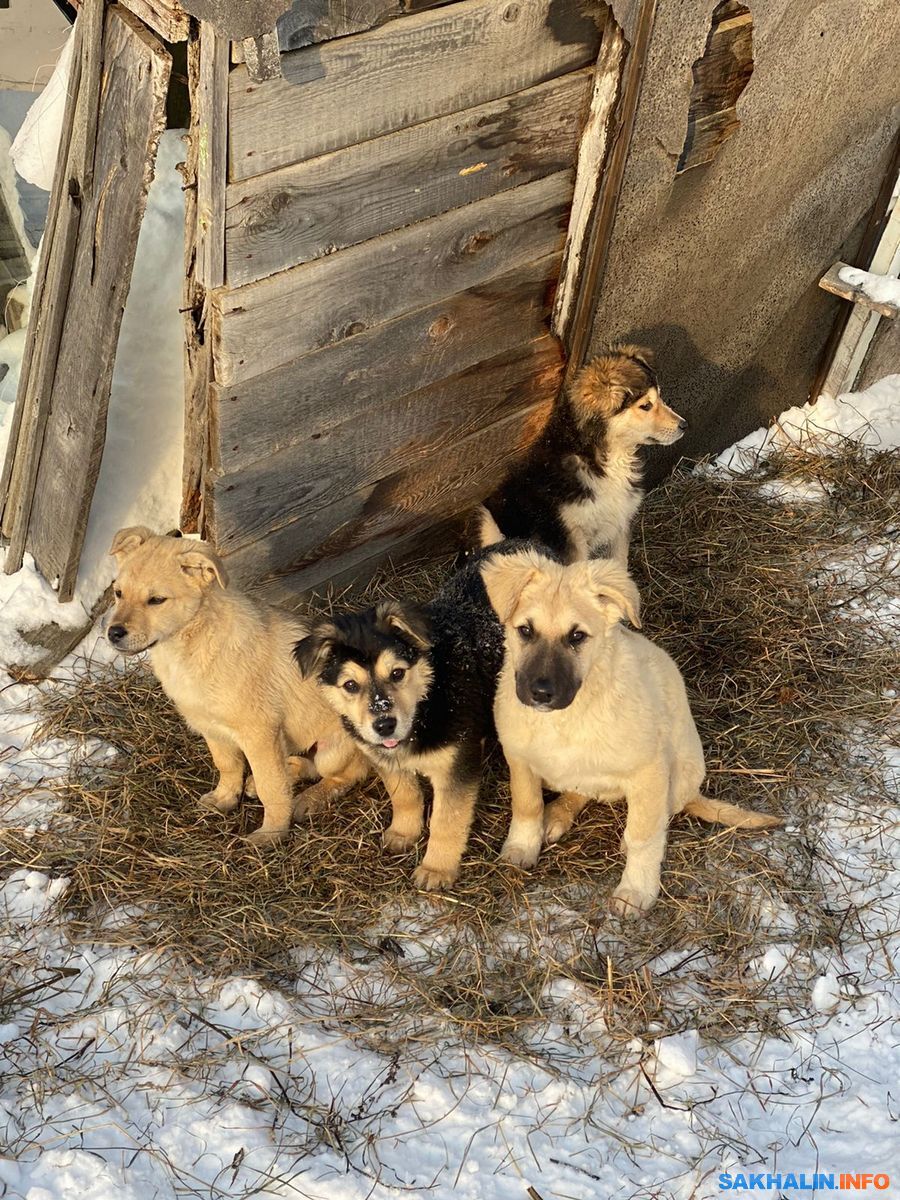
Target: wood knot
[(511, 13), (439, 329)]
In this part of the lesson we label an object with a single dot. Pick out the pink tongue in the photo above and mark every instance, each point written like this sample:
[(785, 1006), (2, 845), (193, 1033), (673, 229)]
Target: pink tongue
[(391, 743)]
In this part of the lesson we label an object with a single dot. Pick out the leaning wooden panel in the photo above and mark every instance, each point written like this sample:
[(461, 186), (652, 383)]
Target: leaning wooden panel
[(305, 398), (367, 523), (384, 439), (409, 71), (129, 124), (308, 22), (302, 212), (266, 324)]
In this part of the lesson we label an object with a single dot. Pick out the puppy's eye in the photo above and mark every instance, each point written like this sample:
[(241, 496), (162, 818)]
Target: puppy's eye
[(118, 593), (157, 599), (646, 407), (351, 686), (577, 636), (526, 631), (397, 674)]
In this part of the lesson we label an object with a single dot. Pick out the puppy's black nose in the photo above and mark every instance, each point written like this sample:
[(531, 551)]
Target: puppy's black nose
[(682, 424), (542, 691), (384, 726), (115, 633)]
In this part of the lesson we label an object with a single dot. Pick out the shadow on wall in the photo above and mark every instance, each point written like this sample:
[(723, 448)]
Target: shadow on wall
[(700, 390)]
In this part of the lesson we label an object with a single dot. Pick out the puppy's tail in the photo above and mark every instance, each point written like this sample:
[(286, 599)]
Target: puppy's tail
[(489, 532), (721, 813)]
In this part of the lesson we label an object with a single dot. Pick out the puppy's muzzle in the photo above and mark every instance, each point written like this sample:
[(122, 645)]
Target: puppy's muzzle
[(545, 694), (116, 634)]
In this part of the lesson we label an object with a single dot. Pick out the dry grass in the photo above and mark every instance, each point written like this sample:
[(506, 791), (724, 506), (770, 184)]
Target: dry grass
[(737, 586)]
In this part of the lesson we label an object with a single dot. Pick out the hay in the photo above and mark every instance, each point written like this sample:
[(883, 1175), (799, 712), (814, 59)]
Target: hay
[(780, 669)]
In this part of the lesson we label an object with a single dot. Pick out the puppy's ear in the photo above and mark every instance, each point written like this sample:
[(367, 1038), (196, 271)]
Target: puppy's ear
[(614, 590), (505, 578), (128, 540), (409, 620), (310, 652), (203, 566), (643, 354)]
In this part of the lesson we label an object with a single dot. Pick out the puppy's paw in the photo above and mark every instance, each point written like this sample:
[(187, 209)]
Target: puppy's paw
[(310, 800), (398, 841), (557, 823), (431, 879), (250, 788), (629, 901), (520, 854), (220, 803), (265, 837)]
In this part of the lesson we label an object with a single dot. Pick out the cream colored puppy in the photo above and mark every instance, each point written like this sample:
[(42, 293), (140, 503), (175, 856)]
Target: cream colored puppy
[(226, 662), (593, 710)]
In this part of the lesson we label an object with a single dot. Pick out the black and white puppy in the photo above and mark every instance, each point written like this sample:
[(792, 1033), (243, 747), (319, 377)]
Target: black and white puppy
[(414, 686), (579, 486)]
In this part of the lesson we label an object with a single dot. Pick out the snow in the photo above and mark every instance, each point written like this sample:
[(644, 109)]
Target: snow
[(881, 288)]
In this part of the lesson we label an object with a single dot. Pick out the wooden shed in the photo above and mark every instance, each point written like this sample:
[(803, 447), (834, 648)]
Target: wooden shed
[(403, 221)]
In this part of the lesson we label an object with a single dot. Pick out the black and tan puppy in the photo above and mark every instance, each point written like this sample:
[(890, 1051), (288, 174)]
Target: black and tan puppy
[(414, 686), (579, 486)]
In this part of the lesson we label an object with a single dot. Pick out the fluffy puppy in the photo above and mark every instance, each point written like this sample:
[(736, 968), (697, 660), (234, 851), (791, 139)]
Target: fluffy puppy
[(414, 686), (225, 661), (579, 486), (593, 710)]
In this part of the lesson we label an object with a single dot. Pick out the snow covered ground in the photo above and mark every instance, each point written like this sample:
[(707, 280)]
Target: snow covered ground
[(129, 1075)]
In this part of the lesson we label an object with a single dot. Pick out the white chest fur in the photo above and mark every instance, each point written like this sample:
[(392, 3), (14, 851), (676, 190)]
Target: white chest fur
[(601, 522)]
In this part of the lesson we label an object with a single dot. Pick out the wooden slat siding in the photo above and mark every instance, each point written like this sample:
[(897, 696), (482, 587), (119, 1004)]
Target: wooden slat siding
[(212, 156), (309, 22), (302, 212), (386, 437), (128, 126), (367, 524), (409, 71), (266, 324), (420, 348), (166, 17), (51, 282)]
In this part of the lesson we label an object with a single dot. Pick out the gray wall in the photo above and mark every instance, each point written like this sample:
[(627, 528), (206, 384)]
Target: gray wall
[(717, 268)]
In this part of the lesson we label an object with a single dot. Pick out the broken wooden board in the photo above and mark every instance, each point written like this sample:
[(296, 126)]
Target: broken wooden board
[(437, 62), (831, 282), (264, 325), (333, 461), (720, 76), (165, 17), (302, 212), (308, 22), (110, 192)]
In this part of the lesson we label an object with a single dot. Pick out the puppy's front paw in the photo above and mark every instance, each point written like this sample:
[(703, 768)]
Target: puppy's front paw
[(250, 788), (398, 841), (557, 823), (265, 837), (431, 879), (520, 854), (310, 800), (629, 901), (220, 803)]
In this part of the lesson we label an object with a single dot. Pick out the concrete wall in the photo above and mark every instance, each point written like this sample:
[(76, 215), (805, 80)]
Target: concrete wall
[(716, 269)]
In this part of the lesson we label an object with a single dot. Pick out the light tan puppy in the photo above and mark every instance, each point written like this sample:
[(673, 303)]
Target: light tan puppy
[(593, 710), (226, 662)]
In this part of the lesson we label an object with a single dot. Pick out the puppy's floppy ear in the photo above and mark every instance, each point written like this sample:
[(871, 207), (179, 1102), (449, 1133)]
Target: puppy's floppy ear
[(128, 540), (505, 578), (642, 353), (310, 652), (614, 589), (409, 620), (202, 566)]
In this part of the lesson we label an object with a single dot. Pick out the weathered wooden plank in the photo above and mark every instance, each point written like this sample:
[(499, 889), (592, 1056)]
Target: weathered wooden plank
[(51, 281), (387, 437), (353, 89), (308, 22), (166, 17), (268, 323), (272, 411), (366, 524), (114, 187), (302, 212), (832, 282), (720, 76), (211, 130)]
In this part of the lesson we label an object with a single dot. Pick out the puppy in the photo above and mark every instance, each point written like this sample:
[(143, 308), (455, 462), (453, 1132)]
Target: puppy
[(415, 689), (592, 709), (226, 663), (579, 486)]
